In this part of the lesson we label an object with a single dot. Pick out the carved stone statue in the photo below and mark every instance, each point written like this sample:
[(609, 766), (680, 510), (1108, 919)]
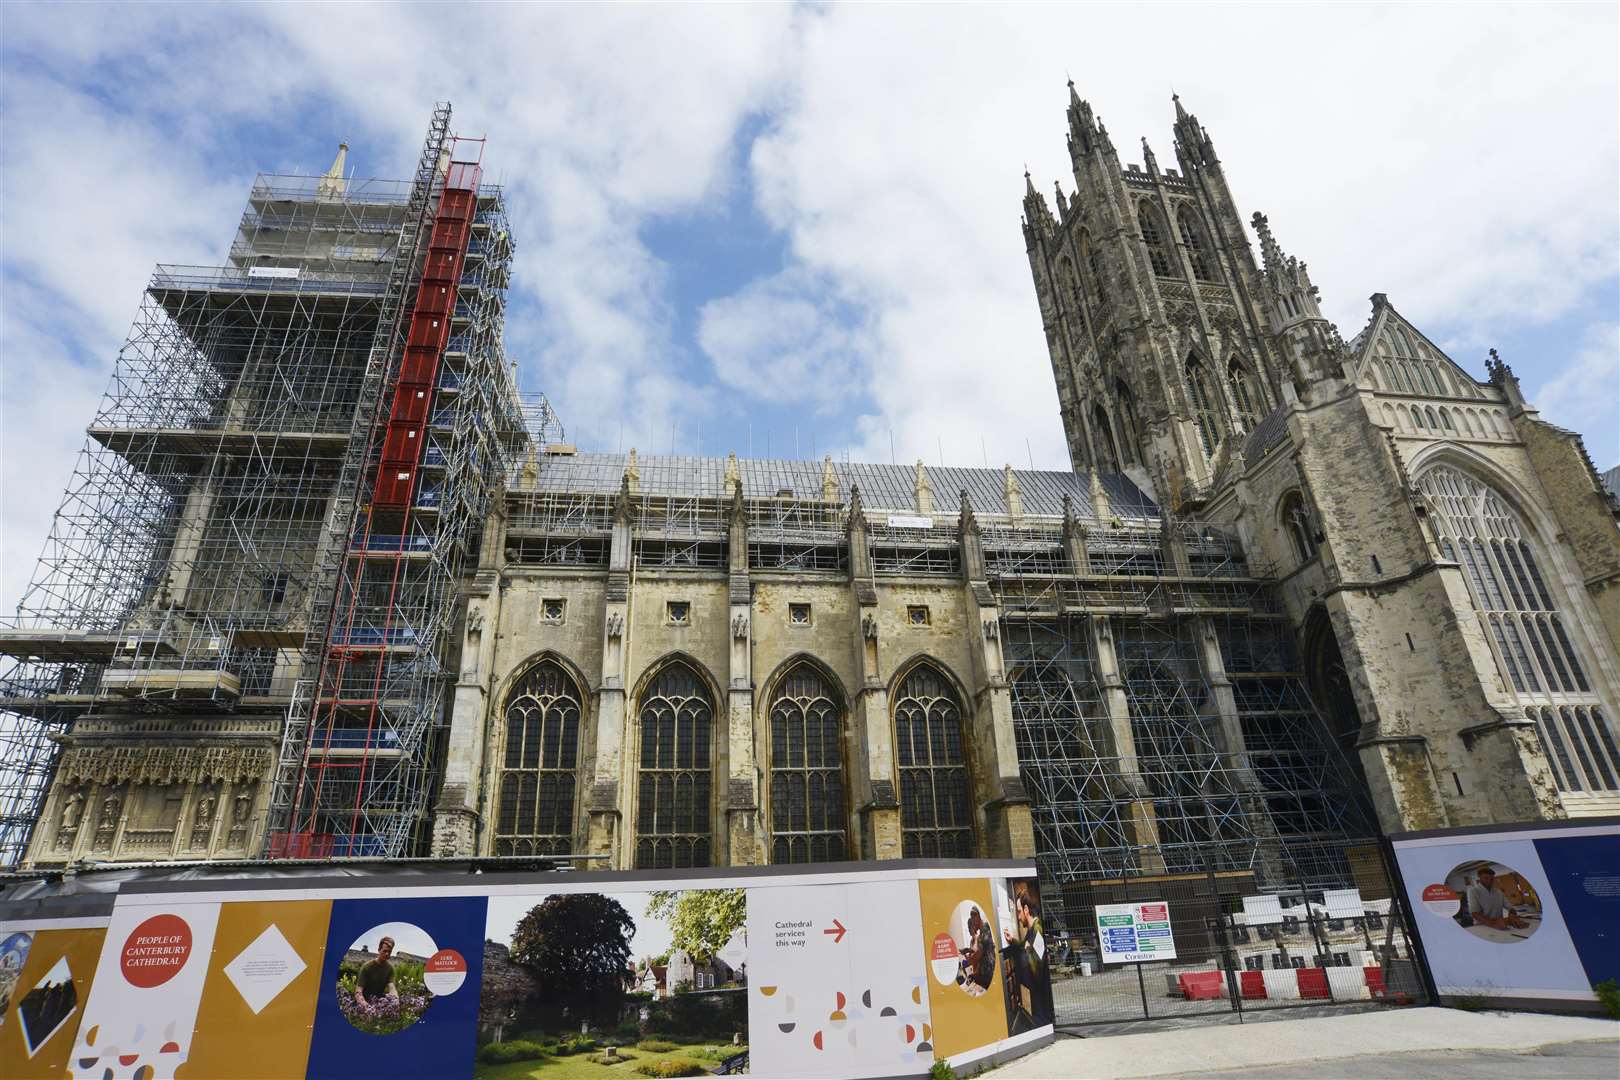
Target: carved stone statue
[(72, 810), (869, 628), (243, 808), (475, 620), (205, 810), (109, 814), (739, 626), (615, 625)]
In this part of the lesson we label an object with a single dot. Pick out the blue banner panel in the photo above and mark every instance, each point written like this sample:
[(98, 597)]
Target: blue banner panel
[(1584, 872), (399, 988)]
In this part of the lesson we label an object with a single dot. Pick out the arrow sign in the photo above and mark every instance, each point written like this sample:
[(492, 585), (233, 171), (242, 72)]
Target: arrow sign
[(837, 931)]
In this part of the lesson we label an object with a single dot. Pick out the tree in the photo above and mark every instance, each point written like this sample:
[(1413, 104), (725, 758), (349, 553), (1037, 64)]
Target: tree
[(700, 920), (578, 947)]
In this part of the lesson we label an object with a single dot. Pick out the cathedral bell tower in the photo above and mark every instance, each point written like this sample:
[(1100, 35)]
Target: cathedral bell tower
[(1153, 309)]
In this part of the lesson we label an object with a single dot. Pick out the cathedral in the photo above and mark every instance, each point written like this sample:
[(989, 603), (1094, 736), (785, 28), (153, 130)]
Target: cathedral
[(1293, 592)]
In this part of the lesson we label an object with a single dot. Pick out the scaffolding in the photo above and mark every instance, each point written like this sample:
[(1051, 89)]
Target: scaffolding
[(191, 570), (356, 766), (1161, 781)]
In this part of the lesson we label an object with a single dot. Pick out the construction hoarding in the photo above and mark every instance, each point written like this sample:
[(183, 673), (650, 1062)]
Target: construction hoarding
[(853, 971)]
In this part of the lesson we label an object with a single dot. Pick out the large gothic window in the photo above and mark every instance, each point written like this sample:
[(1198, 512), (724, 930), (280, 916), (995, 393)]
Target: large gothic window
[(935, 813), (1539, 649), (535, 814), (1198, 249), (1203, 403), (808, 814), (1153, 235), (673, 799), (1245, 395)]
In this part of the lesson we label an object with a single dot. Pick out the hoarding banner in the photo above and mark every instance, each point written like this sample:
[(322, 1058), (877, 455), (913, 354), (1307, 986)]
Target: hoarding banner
[(47, 969), (1527, 913), (875, 972)]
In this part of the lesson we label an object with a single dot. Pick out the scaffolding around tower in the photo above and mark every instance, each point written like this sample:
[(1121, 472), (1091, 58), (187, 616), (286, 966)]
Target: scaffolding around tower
[(183, 603)]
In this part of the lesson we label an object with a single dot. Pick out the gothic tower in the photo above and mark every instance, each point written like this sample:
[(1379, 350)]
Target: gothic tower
[(1150, 298)]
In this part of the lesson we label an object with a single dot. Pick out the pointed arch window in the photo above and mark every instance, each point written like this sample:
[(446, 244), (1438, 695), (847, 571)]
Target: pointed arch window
[(1296, 521), (1130, 433), (1147, 218), (1088, 254), (1245, 395), (1203, 404), (935, 812), (1538, 647), (539, 765), (675, 785), (808, 812), (1197, 244), (1103, 432)]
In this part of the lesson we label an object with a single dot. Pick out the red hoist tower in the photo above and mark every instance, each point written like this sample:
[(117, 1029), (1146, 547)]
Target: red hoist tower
[(364, 779)]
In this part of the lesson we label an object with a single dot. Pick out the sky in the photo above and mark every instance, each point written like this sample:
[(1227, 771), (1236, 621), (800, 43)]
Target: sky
[(793, 230)]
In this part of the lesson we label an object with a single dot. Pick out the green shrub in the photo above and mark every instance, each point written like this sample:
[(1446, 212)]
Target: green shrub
[(941, 1070), (506, 1052), (1608, 992), (576, 1044), (672, 1067), (657, 1046)]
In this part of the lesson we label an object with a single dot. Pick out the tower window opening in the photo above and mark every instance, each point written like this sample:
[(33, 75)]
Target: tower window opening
[(1198, 252), (1297, 523), (1198, 390), (1153, 235)]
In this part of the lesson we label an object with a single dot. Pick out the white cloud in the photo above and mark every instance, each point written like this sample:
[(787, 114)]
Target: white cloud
[(1585, 393), (784, 339)]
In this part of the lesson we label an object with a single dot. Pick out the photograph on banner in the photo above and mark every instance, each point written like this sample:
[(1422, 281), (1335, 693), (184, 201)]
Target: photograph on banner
[(142, 1011), (837, 982), (648, 980), (1027, 977), (398, 989), (1495, 902), (259, 999), (966, 985), (13, 954), (51, 981)]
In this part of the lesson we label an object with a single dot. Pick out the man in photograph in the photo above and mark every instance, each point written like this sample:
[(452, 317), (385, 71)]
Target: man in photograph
[(979, 953), (376, 978), (1488, 907)]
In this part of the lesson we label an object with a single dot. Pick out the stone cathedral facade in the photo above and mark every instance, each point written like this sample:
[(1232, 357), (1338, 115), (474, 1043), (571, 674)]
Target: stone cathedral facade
[(1294, 590)]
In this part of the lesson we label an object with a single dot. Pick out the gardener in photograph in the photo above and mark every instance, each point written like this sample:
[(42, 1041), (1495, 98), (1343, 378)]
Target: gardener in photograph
[(1487, 905), (376, 978)]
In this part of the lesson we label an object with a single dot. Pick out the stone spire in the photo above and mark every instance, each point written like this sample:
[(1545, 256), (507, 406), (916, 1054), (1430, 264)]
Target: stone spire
[(923, 491), (332, 184), (1148, 159), (1013, 494), (829, 480), (1037, 215), (1193, 145), (733, 479), (632, 474), (1287, 280)]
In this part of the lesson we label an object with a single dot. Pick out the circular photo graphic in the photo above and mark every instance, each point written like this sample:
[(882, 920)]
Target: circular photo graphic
[(1493, 901), (385, 982), (965, 956)]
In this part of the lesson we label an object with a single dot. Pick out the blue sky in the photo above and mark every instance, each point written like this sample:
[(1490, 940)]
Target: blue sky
[(794, 229)]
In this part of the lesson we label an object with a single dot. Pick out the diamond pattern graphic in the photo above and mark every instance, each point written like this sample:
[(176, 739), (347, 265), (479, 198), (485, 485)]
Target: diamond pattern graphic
[(265, 968)]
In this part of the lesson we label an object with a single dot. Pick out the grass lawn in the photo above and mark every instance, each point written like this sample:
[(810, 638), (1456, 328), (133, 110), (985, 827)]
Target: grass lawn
[(582, 1067)]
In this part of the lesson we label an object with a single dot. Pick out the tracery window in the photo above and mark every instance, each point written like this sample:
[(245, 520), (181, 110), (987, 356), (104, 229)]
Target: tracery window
[(808, 813), (1245, 395), (1103, 432), (1296, 521), (676, 723), (1129, 432), (1538, 647), (1203, 403), (935, 814), (1094, 265), (538, 775), (1198, 252), (1153, 235)]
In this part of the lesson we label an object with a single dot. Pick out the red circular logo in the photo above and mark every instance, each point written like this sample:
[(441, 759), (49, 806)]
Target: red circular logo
[(156, 950), (444, 972)]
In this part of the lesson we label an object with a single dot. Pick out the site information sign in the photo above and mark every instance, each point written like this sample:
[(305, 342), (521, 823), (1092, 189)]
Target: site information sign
[(1135, 933)]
